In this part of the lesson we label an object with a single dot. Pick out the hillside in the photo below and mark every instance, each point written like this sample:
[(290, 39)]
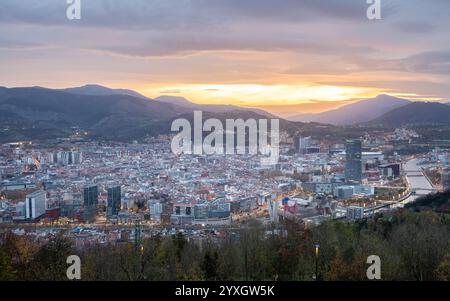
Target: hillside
[(97, 90), (438, 202), (417, 113), (40, 113), (27, 110), (355, 113)]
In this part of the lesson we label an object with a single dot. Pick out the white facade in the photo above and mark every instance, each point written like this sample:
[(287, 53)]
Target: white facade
[(273, 211), (155, 210), (304, 143), (35, 204)]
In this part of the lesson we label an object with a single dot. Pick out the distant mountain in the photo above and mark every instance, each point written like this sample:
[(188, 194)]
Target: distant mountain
[(310, 107), (416, 113), (177, 100), (25, 111), (355, 113), (40, 113), (98, 90), (183, 102)]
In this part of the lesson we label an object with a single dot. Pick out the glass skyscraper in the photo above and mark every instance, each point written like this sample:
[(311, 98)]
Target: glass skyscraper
[(90, 195), (114, 200), (353, 164)]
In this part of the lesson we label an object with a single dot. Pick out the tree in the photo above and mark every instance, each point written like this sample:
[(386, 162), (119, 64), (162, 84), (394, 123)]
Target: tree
[(7, 272), (421, 240), (209, 264), (19, 251), (443, 270), (49, 263)]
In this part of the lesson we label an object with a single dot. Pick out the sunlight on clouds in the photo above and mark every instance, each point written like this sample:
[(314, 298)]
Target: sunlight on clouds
[(255, 94)]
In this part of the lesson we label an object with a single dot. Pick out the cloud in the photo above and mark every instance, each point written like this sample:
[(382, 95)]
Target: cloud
[(180, 13), (225, 41), (146, 28), (171, 91), (414, 27), (431, 62), (19, 45)]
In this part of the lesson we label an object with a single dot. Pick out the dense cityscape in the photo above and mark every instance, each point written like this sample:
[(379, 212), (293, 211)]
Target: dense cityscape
[(100, 191)]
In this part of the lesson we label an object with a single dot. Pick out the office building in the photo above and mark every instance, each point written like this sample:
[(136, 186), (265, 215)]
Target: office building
[(344, 192), (114, 201), (90, 195), (353, 164), (156, 209), (35, 205), (302, 144), (390, 170), (182, 214), (355, 213)]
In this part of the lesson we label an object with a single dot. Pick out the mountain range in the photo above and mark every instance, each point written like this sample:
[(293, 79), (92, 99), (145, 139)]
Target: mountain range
[(362, 112), (382, 110), (416, 113), (38, 113), (25, 111), (355, 113), (98, 90)]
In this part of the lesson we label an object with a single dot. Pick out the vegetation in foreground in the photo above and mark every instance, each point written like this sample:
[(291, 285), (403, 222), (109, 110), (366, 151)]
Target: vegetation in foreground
[(412, 245)]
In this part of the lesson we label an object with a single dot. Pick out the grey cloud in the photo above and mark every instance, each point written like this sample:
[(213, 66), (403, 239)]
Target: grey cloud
[(432, 62), (175, 27), (414, 27), (181, 13), (426, 89), (189, 43), (15, 44), (429, 62)]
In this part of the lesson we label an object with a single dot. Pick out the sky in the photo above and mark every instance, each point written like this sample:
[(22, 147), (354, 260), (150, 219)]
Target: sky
[(252, 52)]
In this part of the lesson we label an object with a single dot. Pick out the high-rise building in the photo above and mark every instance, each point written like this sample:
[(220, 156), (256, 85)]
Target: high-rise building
[(35, 204), (90, 195), (66, 157), (156, 210), (273, 211), (90, 203), (76, 157), (114, 201), (302, 144), (353, 164)]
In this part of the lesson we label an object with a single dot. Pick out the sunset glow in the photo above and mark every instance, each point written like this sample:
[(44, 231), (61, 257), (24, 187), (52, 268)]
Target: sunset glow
[(252, 94), (223, 52)]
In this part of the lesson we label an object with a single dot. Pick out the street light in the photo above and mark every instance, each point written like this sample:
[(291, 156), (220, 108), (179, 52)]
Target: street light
[(317, 247)]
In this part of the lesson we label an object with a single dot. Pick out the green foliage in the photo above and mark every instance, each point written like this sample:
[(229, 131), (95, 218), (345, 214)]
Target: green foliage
[(49, 263), (439, 202), (210, 264), (7, 272)]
